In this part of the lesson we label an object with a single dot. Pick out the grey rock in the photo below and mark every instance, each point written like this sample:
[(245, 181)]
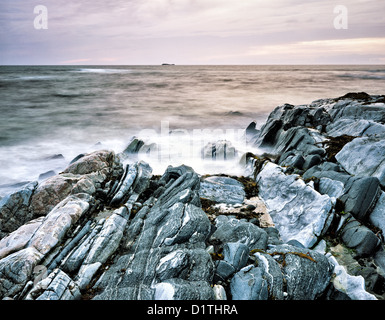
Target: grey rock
[(328, 170), (332, 188), (311, 161), (180, 289), (249, 284), (14, 209), (134, 146), (235, 257), (288, 123), (47, 233), (296, 161), (377, 216), (272, 274), (46, 175), (355, 128), (135, 180), (15, 270), (269, 133), (364, 156), (101, 160), (69, 247), (222, 190), (379, 258), (352, 286), (251, 132), (58, 286), (307, 272), (103, 246), (295, 243), (360, 238), (230, 229), (173, 265), (18, 239), (361, 195), (236, 254), (352, 109), (85, 175), (223, 270), (274, 237), (75, 258), (166, 238), (298, 211), (56, 224), (297, 138), (220, 150)]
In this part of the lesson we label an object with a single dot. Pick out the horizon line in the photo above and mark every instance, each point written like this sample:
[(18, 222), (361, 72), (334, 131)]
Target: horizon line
[(176, 65)]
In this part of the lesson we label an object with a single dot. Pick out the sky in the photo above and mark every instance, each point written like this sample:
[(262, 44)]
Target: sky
[(192, 32)]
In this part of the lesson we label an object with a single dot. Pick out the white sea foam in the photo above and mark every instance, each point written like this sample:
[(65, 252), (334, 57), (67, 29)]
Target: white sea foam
[(96, 70)]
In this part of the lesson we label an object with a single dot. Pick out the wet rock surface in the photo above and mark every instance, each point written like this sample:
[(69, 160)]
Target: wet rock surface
[(304, 223)]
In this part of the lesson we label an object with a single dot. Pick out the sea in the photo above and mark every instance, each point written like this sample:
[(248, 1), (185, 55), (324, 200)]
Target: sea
[(51, 114)]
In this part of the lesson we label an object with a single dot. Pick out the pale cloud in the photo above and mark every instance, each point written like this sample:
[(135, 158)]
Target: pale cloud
[(74, 61), (321, 49), (188, 31), (343, 46)]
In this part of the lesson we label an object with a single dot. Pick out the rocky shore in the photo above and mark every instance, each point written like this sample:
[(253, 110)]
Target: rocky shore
[(305, 221)]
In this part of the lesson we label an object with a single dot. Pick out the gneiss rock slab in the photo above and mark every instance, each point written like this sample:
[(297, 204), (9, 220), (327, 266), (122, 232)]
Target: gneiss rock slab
[(16, 268), (165, 254), (230, 229), (222, 190), (361, 194), (365, 157), (298, 211), (14, 209), (357, 236), (283, 272)]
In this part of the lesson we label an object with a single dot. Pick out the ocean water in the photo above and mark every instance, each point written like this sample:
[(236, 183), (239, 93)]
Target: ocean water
[(50, 114)]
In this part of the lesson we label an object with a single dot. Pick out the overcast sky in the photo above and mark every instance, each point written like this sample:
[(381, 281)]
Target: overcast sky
[(192, 32)]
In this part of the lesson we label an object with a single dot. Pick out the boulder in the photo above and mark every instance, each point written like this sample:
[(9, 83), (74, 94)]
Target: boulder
[(14, 209), (168, 231), (95, 161), (284, 272), (350, 108), (352, 286), (56, 224), (30, 248), (134, 181), (103, 246), (307, 272), (365, 157), (16, 269), (248, 284), (86, 175), (360, 196), (377, 216), (19, 238), (360, 238), (222, 190), (298, 211), (332, 188), (356, 128), (57, 286), (230, 229), (219, 150), (235, 257)]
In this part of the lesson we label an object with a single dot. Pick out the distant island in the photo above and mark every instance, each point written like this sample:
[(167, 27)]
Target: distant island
[(168, 64)]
